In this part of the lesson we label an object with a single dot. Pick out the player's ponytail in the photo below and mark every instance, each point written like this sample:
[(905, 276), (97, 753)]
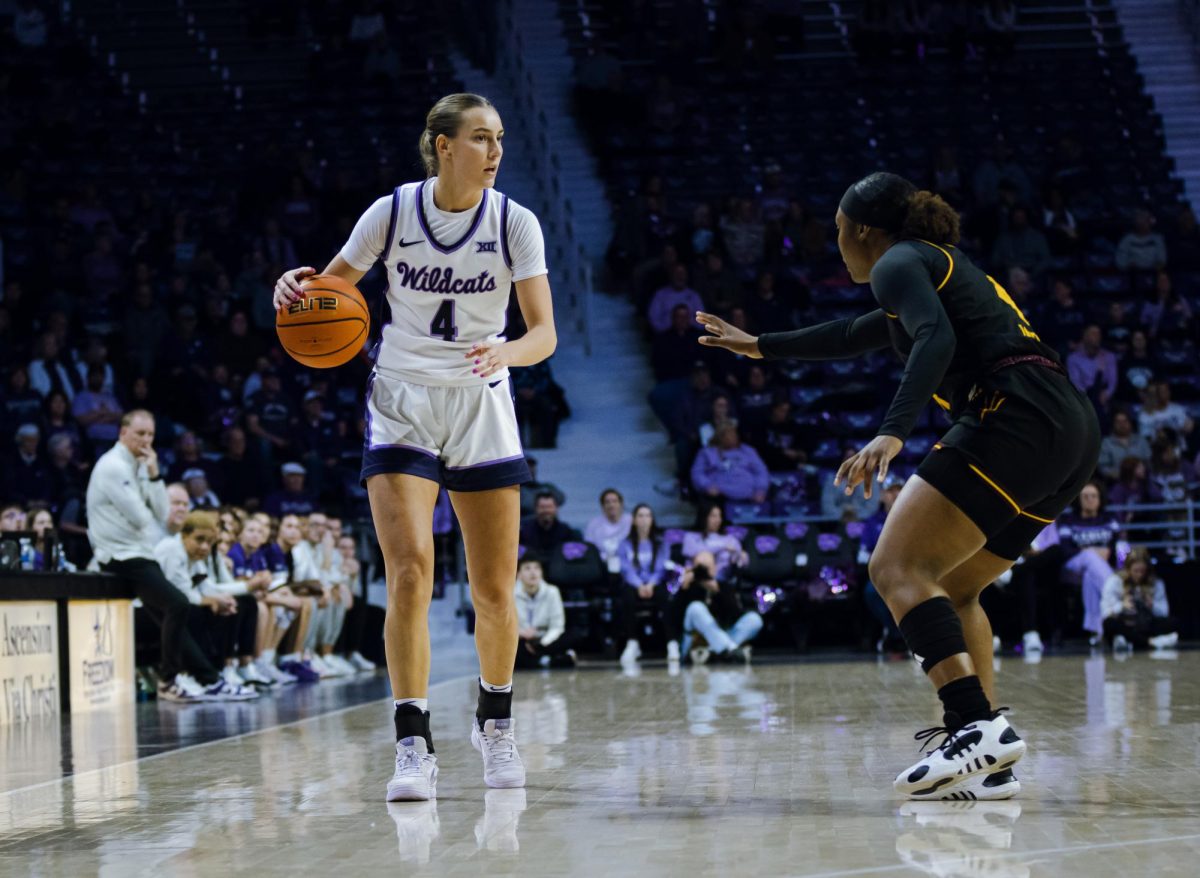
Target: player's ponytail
[(891, 203), (445, 118), (930, 218)]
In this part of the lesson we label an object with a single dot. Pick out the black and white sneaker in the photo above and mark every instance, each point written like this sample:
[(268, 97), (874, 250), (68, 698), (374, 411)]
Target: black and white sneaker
[(977, 788), (986, 746), (182, 689)]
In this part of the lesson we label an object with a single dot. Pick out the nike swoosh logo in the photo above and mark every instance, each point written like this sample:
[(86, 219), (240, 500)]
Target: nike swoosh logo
[(404, 243), (494, 383)]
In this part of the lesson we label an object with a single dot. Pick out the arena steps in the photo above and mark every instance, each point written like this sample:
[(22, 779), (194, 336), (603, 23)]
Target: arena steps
[(1166, 58)]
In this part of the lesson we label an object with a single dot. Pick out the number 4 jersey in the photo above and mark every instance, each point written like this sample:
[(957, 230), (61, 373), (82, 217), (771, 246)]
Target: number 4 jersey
[(449, 278)]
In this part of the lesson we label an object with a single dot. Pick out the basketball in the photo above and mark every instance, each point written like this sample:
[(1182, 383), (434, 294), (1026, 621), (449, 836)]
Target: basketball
[(328, 327)]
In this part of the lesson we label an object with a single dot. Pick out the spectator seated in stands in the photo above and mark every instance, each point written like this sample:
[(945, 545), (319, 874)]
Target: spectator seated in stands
[(722, 413), (1158, 412), (608, 529), (644, 560), (729, 470), (1171, 477), (1120, 444), (1169, 315), (666, 299), (26, 473), (1137, 367), (1135, 609), (98, 411), (1132, 486), (278, 606), (221, 627), (13, 518), (779, 440), (1093, 370), (535, 486), (1088, 536), (315, 560), (1142, 248), (179, 505), (200, 495), (540, 404), (293, 499), (673, 350), (541, 620), (544, 533), (1021, 246), (709, 537), (276, 557), (713, 611)]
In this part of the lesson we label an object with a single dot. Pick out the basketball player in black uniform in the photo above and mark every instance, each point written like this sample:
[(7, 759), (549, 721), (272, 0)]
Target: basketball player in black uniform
[(1023, 444)]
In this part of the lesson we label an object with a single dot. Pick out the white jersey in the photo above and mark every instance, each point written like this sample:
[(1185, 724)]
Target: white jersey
[(449, 278)]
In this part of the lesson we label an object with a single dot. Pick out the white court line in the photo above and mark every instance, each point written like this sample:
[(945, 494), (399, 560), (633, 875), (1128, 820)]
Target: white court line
[(225, 740), (1076, 849)]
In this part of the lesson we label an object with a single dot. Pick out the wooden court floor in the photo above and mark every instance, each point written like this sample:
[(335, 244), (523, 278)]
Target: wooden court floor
[(779, 769)]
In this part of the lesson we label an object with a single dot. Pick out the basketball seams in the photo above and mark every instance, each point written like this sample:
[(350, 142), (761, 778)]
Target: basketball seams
[(297, 355), (307, 322)]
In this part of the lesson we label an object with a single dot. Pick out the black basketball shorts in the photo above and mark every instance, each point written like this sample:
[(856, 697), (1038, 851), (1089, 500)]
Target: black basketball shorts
[(1017, 456)]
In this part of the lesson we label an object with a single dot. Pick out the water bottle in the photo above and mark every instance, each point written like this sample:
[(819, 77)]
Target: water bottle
[(28, 555)]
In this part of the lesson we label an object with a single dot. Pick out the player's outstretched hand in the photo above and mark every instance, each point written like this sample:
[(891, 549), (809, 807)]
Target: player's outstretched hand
[(725, 335), (287, 288), (873, 459)]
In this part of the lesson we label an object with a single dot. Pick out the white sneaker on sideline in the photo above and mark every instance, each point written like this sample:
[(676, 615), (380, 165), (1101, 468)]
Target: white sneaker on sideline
[(415, 777), (1165, 641), (223, 690), (1032, 642), (699, 655), (280, 676), (672, 650), (989, 745), (178, 691), (318, 664), (254, 676), (1120, 644), (339, 664), (361, 662), (502, 765), (633, 652), (230, 675), (997, 644), (190, 683)]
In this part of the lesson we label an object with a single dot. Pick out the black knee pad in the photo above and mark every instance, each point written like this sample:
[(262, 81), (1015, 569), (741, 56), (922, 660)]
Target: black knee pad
[(933, 631)]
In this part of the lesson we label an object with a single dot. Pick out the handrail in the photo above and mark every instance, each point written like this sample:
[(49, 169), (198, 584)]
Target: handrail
[(1175, 523)]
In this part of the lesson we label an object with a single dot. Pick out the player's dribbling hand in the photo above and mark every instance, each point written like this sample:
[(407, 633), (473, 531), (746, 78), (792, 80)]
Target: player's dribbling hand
[(287, 288), (488, 358), (875, 458), (725, 335)]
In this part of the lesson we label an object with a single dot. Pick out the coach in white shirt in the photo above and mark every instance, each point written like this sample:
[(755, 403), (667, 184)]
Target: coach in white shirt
[(127, 508)]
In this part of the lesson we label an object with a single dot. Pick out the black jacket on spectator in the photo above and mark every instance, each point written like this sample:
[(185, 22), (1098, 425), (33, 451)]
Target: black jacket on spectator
[(543, 540), (674, 354), (25, 481)]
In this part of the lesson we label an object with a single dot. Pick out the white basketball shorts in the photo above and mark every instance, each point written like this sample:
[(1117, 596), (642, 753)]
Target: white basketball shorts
[(463, 438)]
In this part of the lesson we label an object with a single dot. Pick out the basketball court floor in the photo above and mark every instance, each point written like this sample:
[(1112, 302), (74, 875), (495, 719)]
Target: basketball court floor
[(776, 769)]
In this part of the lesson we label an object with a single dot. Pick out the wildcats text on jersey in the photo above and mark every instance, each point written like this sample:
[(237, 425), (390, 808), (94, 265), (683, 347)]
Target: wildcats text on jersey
[(423, 279)]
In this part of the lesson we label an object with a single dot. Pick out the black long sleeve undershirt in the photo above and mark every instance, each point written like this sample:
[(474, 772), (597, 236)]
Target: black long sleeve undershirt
[(835, 340), (902, 285)]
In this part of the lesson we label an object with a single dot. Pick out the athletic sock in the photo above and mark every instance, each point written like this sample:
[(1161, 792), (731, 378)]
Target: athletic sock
[(268, 656), (413, 722), (964, 702), (495, 702)]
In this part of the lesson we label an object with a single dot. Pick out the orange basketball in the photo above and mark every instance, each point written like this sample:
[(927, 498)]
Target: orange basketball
[(328, 326)]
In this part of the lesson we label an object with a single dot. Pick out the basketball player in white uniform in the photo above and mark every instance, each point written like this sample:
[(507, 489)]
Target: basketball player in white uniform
[(440, 412)]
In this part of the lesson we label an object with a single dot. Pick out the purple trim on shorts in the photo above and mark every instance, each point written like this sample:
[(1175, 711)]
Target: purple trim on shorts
[(487, 477), (487, 463), (437, 245), (400, 459)]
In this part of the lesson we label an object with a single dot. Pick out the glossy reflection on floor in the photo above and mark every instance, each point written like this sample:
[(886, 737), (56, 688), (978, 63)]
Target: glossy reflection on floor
[(774, 770)]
